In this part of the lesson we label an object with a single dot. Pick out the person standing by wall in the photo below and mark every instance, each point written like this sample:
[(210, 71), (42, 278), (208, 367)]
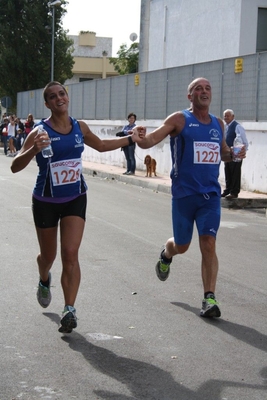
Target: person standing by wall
[(232, 170), (12, 133), (28, 125), (130, 149), (19, 139), (20, 133), (197, 148), (59, 196), (4, 134)]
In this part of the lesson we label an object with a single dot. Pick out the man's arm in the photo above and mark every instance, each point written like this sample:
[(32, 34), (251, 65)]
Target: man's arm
[(172, 125), (226, 152)]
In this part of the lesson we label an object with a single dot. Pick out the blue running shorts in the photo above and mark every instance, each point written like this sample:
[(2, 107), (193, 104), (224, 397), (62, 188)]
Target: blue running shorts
[(204, 209)]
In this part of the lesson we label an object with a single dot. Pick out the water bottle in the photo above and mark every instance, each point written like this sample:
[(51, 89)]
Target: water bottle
[(47, 151), (237, 146)]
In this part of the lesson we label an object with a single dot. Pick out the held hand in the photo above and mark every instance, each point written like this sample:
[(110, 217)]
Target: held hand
[(139, 132)]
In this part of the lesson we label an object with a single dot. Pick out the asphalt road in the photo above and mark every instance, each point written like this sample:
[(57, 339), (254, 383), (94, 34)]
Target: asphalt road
[(137, 337)]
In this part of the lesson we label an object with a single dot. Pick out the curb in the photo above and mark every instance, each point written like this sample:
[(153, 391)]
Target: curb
[(239, 203), (128, 179)]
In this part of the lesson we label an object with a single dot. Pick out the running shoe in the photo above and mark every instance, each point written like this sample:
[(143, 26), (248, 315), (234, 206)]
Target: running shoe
[(163, 267), (44, 294), (68, 320), (210, 308)]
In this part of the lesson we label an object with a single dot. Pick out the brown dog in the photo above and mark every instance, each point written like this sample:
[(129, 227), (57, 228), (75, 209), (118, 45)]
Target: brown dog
[(150, 166)]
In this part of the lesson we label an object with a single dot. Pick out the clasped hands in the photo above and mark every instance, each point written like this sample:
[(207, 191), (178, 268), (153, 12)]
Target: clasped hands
[(138, 133)]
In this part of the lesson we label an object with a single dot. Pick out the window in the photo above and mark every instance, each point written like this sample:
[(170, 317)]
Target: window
[(262, 30)]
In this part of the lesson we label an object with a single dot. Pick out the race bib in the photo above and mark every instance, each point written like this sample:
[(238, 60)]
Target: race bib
[(66, 172), (206, 153)]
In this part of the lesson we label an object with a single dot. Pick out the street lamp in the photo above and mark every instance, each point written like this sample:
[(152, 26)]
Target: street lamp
[(52, 5), (104, 64)]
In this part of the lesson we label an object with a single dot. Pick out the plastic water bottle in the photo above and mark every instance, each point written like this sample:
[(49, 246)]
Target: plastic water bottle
[(237, 146), (47, 151)]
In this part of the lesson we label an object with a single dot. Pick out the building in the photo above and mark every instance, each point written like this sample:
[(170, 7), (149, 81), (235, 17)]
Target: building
[(91, 57), (174, 33)]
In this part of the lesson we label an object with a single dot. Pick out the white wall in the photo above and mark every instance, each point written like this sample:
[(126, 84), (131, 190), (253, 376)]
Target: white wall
[(183, 32), (254, 168)]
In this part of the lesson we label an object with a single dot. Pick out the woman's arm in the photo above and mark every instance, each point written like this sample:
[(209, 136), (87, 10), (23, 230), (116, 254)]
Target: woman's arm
[(102, 145), (33, 144)]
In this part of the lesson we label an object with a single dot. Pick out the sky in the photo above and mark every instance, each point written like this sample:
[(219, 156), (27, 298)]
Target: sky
[(116, 19)]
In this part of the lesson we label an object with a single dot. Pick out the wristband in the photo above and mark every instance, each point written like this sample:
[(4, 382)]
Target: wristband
[(130, 140)]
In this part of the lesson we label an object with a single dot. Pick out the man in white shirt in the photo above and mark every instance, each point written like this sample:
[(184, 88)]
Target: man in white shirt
[(232, 169)]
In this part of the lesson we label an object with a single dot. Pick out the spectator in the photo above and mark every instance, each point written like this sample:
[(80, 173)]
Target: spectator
[(19, 123), (29, 124), (232, 170), (19, 139), (12, 132), (4, 134), (20, 133), (4, 116), (130, 149)]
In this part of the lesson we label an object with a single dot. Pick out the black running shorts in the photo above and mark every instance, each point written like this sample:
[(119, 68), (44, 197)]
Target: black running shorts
[(47, 215)]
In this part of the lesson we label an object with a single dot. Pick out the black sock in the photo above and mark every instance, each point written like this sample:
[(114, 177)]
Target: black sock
[(46, 283), (164, 258), (208, 295)]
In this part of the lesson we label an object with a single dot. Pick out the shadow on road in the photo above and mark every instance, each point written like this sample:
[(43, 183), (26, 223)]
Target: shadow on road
[(244, 333), (144, 381)]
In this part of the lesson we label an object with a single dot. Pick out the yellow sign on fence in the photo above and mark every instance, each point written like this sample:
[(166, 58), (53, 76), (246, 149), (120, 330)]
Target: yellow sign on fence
[(136, 79), (238, 65)]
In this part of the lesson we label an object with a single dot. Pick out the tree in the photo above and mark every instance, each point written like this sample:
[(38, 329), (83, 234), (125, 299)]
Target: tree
[(25, 51), (127, 61)]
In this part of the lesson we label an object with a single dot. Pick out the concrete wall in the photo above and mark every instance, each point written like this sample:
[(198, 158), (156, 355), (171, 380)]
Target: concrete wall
[(254, 168), (182, 32)]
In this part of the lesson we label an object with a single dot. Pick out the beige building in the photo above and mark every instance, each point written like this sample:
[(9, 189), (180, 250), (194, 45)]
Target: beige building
[(91, 57)]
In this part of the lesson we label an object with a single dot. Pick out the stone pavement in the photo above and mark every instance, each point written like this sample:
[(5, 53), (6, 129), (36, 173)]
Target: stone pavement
[(162, 183)]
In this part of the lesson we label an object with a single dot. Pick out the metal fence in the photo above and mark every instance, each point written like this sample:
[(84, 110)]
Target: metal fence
[(160, 93)]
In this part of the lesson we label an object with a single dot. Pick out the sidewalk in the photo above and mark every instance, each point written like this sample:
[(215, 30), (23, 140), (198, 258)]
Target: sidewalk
[(159, 183), (162, 183)]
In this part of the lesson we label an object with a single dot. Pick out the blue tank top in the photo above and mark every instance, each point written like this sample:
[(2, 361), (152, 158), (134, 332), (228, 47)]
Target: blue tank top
[(196, 157), (61, 175)]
